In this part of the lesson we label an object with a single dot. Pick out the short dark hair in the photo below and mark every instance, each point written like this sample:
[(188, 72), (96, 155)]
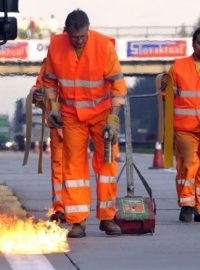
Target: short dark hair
[(76, 20), (196, 33)]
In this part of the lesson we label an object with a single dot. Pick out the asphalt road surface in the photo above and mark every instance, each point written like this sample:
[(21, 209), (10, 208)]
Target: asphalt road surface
[(173, 246)]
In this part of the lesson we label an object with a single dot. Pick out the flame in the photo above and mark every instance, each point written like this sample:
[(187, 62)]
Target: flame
[(24, 236)]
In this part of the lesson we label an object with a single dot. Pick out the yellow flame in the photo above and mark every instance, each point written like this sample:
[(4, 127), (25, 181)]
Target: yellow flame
[(24, 236)]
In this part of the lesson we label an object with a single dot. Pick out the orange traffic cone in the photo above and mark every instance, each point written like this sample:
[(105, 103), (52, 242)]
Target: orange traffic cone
[(48, 146), (158, 161), (37, 147)]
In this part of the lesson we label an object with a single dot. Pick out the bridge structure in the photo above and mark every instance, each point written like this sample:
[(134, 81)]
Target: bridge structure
[(138, 56), (129, 68)]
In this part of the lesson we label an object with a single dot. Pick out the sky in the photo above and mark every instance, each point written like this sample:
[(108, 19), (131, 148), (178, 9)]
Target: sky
[(117, 12)]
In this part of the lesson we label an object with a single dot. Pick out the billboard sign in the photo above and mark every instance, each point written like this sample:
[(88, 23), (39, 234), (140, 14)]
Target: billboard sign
[(17, 50), (155, 49)]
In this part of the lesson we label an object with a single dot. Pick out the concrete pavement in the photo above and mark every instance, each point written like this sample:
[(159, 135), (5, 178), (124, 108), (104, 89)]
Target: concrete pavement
[(173, 246)]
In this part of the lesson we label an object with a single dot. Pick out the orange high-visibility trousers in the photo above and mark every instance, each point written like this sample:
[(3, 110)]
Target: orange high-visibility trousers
[(188, 169), (56, 168), (77, 196)]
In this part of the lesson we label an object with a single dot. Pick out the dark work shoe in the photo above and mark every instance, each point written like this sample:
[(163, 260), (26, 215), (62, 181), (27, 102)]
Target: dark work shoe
[(110, 227), (58, 217), (197, 218), (186, 213), (77, 230)]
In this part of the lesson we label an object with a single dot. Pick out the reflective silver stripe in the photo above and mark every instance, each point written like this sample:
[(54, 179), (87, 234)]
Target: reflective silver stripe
[(57, 198), (185, 182), (77, 208), (122, 96), (191, 93), (106, 204), (175, 89), (81, 83), (107, 179), (89, 83), (186, 112), (83, 104), (68, 83), (115, 77), (180, 181), (49, 76), (57, 187), (187, 199), (76, 183), (198, 190)]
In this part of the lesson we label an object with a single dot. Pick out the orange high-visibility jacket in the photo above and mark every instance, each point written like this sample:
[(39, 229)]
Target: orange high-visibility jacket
[(186, 95), (87, 86)]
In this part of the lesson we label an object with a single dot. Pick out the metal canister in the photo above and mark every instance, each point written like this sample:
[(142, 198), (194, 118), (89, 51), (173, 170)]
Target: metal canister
[(108, 147)]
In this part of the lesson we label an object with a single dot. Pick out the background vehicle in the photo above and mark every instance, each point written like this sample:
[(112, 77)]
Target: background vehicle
[(19, 125), (5, 137)]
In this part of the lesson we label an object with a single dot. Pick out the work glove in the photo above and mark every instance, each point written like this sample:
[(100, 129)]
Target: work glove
[(164, 81), (112, 127), (54, 115), (60, 133), (38, 94), (55, 119), (38, 97)]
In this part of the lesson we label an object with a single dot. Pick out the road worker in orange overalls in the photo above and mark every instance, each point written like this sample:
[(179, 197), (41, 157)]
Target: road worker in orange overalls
[(83, 74), (185, 103), (56, 145)]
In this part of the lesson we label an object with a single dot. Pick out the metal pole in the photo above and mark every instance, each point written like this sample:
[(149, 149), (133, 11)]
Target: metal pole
[(129, 150)]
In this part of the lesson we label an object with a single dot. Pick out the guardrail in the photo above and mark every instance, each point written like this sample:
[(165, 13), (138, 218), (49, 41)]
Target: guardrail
[(147, 31), (166, 31)]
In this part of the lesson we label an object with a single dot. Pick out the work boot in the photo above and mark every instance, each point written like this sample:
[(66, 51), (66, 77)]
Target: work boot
[(186, 214), (58, 216), (77, 230), (110, 227), (197, 218)]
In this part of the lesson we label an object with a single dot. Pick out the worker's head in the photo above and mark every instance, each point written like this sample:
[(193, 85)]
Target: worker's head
[(77, 25), (196, 43)]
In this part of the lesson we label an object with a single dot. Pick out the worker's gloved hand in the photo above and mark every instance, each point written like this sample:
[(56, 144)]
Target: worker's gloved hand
[(164, 81), (112, 126), (60, 133), (54, 116), (38, 94), (55, 119)]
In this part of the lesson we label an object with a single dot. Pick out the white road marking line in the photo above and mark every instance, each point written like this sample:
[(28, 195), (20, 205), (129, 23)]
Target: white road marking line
[(170, 170), (29, 262)]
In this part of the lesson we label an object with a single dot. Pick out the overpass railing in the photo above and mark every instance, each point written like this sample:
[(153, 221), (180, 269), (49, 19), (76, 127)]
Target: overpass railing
[(121, 32), (147, 31)]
